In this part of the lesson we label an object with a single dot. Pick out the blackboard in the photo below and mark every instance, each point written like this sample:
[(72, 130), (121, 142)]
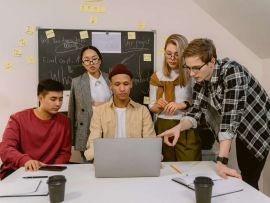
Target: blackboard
[(59, 56)]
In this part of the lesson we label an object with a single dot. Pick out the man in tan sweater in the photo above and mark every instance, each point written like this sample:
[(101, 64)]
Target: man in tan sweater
[(121, 117)]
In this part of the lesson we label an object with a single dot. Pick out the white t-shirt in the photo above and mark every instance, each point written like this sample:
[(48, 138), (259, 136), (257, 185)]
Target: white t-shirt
[(121, 123)]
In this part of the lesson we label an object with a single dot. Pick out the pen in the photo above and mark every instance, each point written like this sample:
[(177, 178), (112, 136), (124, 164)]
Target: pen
[(29, 177), (175, 168)]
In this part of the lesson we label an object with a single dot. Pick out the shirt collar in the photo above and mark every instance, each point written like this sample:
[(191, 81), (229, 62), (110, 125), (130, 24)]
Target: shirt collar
[(93, 78), (130, 104), (214, 77)]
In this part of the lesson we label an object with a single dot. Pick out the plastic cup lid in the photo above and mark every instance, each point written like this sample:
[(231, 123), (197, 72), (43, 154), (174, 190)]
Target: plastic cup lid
[(203, 180), (56, 178)]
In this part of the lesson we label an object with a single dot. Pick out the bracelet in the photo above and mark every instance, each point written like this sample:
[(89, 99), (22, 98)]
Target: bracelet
[(187, 104)]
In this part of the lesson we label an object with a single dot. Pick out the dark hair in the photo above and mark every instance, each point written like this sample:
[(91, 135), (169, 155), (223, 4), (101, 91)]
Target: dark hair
[(203, 48), (92, 48), (47, 85), (120, 69)]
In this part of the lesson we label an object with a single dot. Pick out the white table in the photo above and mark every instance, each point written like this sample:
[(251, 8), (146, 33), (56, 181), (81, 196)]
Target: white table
[(82, 186)]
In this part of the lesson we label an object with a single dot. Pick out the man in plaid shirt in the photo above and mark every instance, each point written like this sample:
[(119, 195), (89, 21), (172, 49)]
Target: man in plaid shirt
[(235, 105)]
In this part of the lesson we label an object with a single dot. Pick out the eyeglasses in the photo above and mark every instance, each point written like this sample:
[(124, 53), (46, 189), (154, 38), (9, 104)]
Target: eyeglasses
[(194, 69), (92, 62), (171, 55)]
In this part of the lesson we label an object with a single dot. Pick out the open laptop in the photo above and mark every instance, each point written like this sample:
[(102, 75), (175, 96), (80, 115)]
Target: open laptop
[(127, 157)]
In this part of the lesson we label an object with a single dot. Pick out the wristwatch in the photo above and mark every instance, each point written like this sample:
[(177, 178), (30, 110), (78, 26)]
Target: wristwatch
[(223, 160)]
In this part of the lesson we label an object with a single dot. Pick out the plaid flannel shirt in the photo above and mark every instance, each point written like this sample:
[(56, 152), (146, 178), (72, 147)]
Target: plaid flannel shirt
[(241, 103)]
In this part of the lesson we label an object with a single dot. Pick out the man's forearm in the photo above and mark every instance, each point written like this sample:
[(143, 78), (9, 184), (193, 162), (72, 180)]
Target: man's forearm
[(224, 148), (185, 124)]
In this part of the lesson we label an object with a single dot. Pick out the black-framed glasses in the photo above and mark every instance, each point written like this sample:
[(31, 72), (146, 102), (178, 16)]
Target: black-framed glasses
[(171, 55), (194, 69), (94, 61)]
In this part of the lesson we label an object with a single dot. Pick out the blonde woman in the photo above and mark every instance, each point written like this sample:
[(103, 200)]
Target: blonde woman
[(170, 96)]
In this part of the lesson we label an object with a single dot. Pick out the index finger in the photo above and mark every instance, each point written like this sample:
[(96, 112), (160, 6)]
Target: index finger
[(175, 139), (42, 164), (162, 134), (223, 175), (233, 172)]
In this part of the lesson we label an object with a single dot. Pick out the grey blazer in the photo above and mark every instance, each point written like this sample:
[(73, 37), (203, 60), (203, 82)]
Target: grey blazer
[(80, 109)]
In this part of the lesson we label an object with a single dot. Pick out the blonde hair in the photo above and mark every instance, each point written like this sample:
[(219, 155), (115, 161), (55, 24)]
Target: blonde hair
[(181, 43)]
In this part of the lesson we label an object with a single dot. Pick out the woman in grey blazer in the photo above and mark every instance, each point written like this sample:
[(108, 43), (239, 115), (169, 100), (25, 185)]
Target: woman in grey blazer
[(87, 91)]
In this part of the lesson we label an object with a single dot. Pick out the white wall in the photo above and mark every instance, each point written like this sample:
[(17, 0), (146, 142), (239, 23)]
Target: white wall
[(18, 84)]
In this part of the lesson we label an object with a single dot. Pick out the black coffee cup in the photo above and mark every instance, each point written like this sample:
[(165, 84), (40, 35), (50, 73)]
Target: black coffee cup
[(56, 185), (203, 189)]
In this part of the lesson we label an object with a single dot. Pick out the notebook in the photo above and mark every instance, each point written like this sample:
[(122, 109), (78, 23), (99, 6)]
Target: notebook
[(22, 188), (221, 186), (127, 157)]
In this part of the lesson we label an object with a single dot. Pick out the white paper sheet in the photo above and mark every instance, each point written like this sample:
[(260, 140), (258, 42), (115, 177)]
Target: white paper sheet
[(23, 188)]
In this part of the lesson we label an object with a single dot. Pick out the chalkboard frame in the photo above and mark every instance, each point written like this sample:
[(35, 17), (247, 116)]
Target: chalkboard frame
[(59, 56)]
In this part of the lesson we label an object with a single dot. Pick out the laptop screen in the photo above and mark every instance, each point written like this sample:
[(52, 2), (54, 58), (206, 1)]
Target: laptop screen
[(127, 157)]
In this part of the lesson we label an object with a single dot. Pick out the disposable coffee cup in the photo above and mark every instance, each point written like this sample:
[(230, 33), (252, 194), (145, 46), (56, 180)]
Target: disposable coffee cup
[(56, 185), (203, 189)]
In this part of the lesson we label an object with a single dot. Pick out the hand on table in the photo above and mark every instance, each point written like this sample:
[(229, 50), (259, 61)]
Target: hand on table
[(33, 165), (224, 171)]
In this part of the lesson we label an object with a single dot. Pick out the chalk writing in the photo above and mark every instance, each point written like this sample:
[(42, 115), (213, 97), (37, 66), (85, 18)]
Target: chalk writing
[(61, 76)]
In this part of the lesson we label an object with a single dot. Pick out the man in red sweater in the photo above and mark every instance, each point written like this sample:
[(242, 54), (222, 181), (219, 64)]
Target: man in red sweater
[(38, 136)]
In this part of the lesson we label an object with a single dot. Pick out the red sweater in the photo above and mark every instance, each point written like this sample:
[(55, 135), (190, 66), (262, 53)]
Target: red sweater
[(27, 137)]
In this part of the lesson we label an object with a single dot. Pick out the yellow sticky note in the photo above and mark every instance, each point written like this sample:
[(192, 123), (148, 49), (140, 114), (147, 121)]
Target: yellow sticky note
[(50, 34), (8, 65), (22, 42), (92, 0), (131, 35), (93, 19), (84, 35), (29, 30), (94, 8), (98, 9), (82, 7), (147, 57), (30, 59), (146, 100), (17, 52), (141, 25), (85, 7), (102, 9)]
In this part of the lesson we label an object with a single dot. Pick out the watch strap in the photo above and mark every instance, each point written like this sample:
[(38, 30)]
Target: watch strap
[(223, 160)]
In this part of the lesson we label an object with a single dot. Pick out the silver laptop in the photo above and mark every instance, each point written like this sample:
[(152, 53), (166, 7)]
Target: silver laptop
[(127, 157)]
